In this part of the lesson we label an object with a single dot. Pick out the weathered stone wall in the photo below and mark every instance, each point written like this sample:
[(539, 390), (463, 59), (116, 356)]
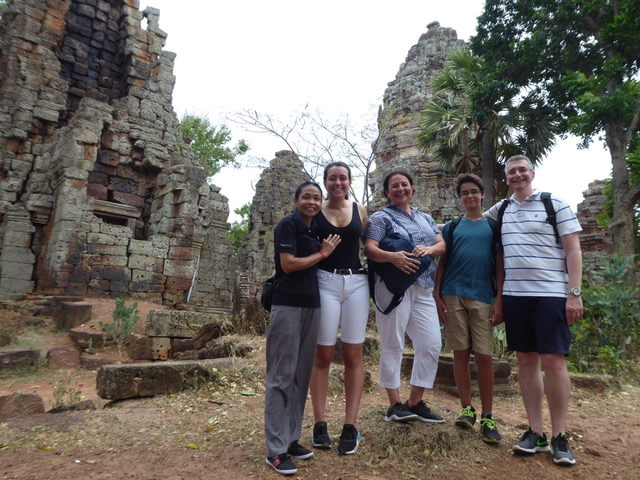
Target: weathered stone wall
[(596, 242), (399, 121), (98, 195), (273, 200)]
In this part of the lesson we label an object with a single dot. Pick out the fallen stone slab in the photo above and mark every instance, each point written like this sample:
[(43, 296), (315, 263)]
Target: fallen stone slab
[(20, 405), (15, 357), (178, 323), (72, 314), (63, 357), (133, 380), (74, 407), (141, 347)]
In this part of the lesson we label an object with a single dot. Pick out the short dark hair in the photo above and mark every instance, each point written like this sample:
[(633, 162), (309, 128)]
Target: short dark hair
[(305, 184), (393, 173), (467, 178)]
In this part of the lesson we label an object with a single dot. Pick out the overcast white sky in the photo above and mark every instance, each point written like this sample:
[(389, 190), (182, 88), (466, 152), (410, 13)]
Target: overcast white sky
[(336, 56)]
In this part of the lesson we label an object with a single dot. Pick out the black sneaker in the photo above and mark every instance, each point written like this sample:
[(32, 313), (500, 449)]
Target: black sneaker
[(282, 464), (424, 413), (349, 440), (467, 418), (489, 430), (400, 413), (561, 452), (298, 451), (320, 437), (531, 443)]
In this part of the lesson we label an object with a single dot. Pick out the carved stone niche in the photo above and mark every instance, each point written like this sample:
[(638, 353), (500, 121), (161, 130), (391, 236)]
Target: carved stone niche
[(116, 213)]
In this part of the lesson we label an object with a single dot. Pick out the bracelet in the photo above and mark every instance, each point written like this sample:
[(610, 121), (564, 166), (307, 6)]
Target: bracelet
[(324, 255)]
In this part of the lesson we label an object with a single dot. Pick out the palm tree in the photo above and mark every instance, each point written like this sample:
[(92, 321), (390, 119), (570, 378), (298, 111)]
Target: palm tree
[(467, 128)]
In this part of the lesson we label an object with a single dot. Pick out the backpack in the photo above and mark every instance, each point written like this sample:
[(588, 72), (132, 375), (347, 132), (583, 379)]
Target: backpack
[(396, 281)]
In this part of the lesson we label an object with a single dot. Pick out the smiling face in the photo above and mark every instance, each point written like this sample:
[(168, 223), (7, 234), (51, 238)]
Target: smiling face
[(470, 195), (309, 202), (400, 190), (519, 177), (337, 182)]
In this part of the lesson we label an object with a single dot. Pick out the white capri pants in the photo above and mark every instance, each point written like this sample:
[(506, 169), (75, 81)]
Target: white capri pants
[(344, 305), (416, 315)]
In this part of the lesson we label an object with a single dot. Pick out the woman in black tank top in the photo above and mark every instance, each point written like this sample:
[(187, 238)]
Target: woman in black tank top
[(344, 298)]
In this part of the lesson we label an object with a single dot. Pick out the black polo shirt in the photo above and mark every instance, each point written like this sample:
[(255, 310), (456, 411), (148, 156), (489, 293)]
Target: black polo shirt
[(296, 289)]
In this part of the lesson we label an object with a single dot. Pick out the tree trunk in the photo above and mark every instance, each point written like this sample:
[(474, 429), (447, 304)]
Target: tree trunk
[(622, 221), (488, 162)]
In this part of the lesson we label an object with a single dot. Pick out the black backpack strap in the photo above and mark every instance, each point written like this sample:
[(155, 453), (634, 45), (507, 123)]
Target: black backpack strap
[(399, 224), (395, 301), (449, 241), (551, 213), (497, 232)]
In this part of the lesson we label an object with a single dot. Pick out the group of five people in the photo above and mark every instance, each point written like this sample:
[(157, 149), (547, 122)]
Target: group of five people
[(322, 288)]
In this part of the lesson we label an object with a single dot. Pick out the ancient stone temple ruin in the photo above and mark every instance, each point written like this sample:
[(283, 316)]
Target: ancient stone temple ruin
[(399, 121), (99, 194)]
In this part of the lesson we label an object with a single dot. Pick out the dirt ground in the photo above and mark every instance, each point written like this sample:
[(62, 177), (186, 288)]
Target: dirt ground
[(216, 432)]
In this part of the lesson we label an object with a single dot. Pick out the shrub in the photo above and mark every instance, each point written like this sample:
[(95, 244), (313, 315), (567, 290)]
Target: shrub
[(606, 338), (124, 319)]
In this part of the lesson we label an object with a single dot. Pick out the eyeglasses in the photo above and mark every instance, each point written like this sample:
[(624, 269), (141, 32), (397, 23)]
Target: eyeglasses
[(515, 171), (466, 193)]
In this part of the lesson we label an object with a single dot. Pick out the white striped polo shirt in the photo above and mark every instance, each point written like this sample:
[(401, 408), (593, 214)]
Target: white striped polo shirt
[(535, 265)]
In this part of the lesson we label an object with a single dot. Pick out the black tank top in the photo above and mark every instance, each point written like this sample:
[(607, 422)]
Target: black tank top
[(347, 253)]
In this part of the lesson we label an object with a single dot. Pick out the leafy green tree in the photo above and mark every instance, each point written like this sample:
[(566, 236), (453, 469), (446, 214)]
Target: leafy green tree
[(240, 229), (209, 144), (584, 58), (470, 128)]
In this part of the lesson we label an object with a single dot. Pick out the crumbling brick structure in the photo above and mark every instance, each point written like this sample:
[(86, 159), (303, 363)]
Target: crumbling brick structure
[(99, 194)]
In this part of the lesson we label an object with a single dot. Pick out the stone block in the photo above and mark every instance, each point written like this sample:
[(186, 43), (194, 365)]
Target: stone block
[(72, 314), (15, 357), (145, 263), (90, 335), (177, 323), (445, 380), (133, 380), (63, 357), (142, 347), (20, 405)]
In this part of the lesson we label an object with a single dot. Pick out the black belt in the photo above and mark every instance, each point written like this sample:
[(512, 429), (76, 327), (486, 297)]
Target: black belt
[(348, 271)]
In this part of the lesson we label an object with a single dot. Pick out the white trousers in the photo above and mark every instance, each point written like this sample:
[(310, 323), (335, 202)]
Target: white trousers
[(416, 316)]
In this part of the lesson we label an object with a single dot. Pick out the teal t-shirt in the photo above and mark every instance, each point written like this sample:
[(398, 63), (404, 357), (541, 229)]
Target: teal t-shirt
[(469, 271)]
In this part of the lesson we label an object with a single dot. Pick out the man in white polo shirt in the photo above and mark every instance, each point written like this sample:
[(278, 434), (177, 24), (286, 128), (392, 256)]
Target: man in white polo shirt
[(541, 298)]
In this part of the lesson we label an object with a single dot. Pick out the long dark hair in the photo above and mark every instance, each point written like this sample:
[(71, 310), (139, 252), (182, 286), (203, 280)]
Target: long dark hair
[(336, 164)]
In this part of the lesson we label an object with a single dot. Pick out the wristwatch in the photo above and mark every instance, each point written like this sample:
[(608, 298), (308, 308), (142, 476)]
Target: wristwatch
[(576, 291)]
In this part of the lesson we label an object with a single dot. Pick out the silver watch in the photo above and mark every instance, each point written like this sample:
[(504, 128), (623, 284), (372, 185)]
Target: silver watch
[(576, 291)]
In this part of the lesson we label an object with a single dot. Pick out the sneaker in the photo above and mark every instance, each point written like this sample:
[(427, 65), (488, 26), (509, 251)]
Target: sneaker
[(561, 452), (349, 440), (282, 464), (424, 413), (320, 437), (399, 413), (298, 451), (467, 418), (531, 443), (489, 430)]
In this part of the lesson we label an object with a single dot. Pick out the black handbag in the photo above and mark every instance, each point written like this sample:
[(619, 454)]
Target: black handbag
[(396, 281), (267, 293)]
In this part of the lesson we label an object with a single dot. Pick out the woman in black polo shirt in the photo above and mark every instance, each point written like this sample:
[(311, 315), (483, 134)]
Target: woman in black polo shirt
[(293, 327)]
